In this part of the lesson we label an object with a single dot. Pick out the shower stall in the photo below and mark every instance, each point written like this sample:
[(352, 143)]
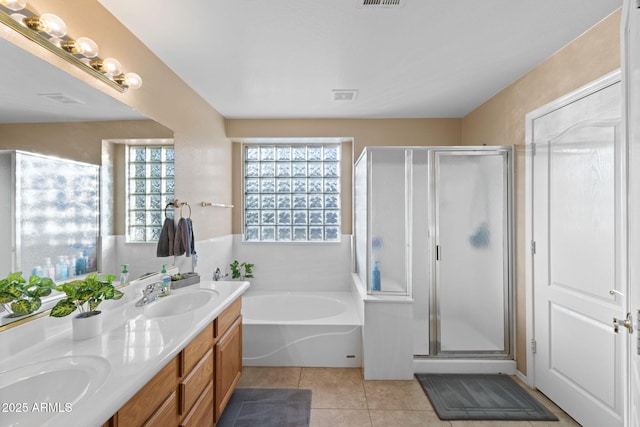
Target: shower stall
[(433, 226)]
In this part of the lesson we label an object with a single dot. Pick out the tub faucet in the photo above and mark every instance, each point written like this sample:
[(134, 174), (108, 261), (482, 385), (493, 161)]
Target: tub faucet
[(217, 275), (150, 294)]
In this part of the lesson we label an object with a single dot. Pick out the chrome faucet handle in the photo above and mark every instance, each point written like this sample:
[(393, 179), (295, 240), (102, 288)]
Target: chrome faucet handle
[(217, 275), (150, 288)]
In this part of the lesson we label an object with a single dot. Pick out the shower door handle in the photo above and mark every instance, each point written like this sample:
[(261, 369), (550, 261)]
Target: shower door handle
[(437, 252), (627, 323)]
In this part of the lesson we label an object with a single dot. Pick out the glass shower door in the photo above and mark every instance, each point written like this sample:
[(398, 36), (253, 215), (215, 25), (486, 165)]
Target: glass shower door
[(472, 248)]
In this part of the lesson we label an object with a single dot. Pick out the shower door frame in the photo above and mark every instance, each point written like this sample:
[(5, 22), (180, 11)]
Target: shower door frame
[(435, 344)]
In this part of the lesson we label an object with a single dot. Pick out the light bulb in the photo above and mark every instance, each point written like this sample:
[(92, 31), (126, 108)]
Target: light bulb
[(47, 23), (19, 18), (56, 41), (87, 47), (111, 66), (130, 80), (14, 5), (133, 80), (82, 46)]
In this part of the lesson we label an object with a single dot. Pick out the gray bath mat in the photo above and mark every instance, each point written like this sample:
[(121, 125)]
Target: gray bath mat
[(267, 407), (481, 397)]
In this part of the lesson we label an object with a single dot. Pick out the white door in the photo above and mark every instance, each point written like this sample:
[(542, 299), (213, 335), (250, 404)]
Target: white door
[(579, 266), (631, 80)]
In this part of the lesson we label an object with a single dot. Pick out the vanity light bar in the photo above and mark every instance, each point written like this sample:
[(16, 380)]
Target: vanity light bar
[(50, 32)]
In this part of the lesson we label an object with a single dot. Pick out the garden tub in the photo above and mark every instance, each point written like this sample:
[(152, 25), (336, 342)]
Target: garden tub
[(321, 329)]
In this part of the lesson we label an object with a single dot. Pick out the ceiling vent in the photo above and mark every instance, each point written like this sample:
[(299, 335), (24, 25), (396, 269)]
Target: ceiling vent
[(344, 94), (61, 98), (380, 3)]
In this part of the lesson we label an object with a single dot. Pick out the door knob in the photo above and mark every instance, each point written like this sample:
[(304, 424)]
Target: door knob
[(613, 292), (627, 323)]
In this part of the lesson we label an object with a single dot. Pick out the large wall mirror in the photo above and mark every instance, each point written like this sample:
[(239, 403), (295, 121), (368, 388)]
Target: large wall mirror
[(46, 111)]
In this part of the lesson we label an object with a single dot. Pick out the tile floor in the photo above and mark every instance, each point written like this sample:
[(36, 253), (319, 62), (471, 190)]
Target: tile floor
[(342, 398)]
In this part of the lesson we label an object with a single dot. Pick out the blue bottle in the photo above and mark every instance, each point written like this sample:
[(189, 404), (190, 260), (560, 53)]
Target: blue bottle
[(81, 264), (375, 278)]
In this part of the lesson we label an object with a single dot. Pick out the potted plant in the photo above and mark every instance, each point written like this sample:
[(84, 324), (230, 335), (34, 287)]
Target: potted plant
[(20, 297), (236, 270), (85, 296)]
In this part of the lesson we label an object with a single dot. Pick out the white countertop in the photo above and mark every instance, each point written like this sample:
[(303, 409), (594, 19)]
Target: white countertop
[(130, 351)]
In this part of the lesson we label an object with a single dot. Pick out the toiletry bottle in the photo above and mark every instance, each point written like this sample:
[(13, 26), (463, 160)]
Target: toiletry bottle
[(61, 269), (37, 271), (124, 275), (85, 256), (375, 278), (166, 282), (81, 264), (48, 270), (71, 266)]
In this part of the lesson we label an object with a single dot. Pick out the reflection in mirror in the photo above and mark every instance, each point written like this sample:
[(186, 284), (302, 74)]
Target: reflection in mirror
[(34, 91), (45, 110), (56, 207)]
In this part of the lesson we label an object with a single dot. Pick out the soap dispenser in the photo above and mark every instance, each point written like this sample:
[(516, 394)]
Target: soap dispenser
[(375, 278), (124, 275), (165, 282)]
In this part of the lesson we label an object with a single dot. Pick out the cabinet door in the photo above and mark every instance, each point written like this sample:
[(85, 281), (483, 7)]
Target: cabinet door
[(228, 364)]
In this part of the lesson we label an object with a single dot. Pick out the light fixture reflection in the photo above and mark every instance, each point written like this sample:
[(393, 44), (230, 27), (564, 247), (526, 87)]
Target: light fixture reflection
[(47, 23), (14, 5)]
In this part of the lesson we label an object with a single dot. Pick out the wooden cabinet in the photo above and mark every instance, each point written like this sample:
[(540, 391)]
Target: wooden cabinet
[(193, 389), (228, 364), (203, 411), (195, 382), (150, 399)]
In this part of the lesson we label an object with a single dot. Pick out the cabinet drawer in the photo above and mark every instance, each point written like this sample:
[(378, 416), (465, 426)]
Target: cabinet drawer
[(194, 351), (141, 406), (227, 317), (202, 413), (166, 414), (192, 385)]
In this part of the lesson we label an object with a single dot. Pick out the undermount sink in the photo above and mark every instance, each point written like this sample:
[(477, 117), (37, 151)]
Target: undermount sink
[(179, 303), (42, 390)]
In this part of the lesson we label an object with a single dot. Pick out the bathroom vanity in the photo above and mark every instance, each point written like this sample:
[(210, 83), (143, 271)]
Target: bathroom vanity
[(192, 390), (173, 362)]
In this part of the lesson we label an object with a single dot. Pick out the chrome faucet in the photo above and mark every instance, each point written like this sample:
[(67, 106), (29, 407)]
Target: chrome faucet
[(217, 275), (150, 294)]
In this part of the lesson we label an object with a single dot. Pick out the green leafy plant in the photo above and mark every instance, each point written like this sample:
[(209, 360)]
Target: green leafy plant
[(20, 297), (236, 268), (85, 295), (248, 270)]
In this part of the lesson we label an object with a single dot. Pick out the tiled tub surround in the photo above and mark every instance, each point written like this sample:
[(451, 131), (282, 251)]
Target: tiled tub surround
[(301, 329), (132, 349)]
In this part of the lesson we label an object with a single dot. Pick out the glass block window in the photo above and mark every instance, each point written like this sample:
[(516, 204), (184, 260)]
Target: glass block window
[(150, 186), (292, 193)]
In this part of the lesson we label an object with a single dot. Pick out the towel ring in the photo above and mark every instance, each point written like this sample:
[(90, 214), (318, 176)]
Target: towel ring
[(182, 206), (166, 207)]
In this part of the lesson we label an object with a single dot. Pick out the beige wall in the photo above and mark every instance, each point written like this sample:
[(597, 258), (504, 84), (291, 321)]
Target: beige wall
[(365, 132), (203, 153), (362, 133), (501, 121), (79, 141)]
